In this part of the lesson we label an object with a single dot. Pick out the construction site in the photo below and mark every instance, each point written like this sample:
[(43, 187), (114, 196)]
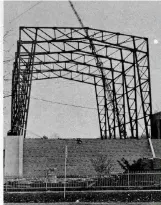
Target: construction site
[(117, 66)]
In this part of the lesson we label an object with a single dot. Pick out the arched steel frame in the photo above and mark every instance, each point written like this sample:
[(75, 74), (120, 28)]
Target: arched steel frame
[(123, 102)]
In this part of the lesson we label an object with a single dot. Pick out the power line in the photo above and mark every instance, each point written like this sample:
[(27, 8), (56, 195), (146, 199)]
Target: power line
[(66, 104), (59, 103), (18, 16), (11, 29), (24, 12)]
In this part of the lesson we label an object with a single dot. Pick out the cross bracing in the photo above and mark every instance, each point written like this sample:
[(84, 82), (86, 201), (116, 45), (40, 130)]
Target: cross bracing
[(121, 77)]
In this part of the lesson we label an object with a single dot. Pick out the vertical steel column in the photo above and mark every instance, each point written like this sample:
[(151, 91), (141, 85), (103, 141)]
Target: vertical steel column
[(102, 116), (124, 113), (105, 102), (115, 101), (30, 79), (149, 81), (127, 97), (135, 90), (141, 91), (15, 130), (95, 84)]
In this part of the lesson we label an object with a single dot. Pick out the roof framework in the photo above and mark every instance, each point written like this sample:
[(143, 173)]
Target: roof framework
[(123, 103)]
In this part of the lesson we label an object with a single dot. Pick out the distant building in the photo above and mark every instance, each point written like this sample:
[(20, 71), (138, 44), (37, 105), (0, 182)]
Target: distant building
[(156, 125)]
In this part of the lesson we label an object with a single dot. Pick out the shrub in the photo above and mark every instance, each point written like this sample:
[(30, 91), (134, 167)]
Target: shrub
[(142, 164)]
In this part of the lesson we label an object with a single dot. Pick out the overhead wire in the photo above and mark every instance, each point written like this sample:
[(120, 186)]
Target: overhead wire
[(11, 29), (66, 104), (18, 16), (59, 103), (25, 12), (7, 32)]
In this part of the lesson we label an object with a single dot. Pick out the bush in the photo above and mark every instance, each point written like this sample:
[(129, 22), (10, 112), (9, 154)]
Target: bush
[(142, 164)]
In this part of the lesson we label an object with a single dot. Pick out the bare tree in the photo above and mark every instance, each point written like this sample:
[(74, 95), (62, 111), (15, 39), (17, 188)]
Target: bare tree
[(102, 165)]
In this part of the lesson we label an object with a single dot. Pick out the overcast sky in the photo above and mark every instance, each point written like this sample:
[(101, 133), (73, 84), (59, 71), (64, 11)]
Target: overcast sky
[(135, 18)]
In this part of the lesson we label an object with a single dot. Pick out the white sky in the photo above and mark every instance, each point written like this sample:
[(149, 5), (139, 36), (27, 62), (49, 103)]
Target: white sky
[(135, 18)]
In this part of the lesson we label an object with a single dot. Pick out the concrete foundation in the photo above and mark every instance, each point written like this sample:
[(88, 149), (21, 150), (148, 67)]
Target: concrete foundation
[(13, 156)]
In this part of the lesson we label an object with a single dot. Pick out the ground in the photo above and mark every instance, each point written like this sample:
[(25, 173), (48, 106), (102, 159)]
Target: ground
[(87, 203)]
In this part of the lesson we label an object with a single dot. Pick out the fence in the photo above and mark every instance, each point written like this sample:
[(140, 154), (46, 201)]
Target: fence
[(146, 180)]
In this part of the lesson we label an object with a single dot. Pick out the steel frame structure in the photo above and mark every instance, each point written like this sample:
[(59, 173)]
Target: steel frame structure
[(121, 80)]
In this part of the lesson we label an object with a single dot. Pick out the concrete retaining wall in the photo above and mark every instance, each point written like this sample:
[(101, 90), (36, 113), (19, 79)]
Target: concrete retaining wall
[(13, 156), (41, 154)]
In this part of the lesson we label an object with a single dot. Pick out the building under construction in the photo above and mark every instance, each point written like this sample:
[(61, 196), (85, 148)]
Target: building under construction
[(116, 65)]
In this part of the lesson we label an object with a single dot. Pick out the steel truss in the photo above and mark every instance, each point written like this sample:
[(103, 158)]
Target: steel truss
[(121, 79)]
